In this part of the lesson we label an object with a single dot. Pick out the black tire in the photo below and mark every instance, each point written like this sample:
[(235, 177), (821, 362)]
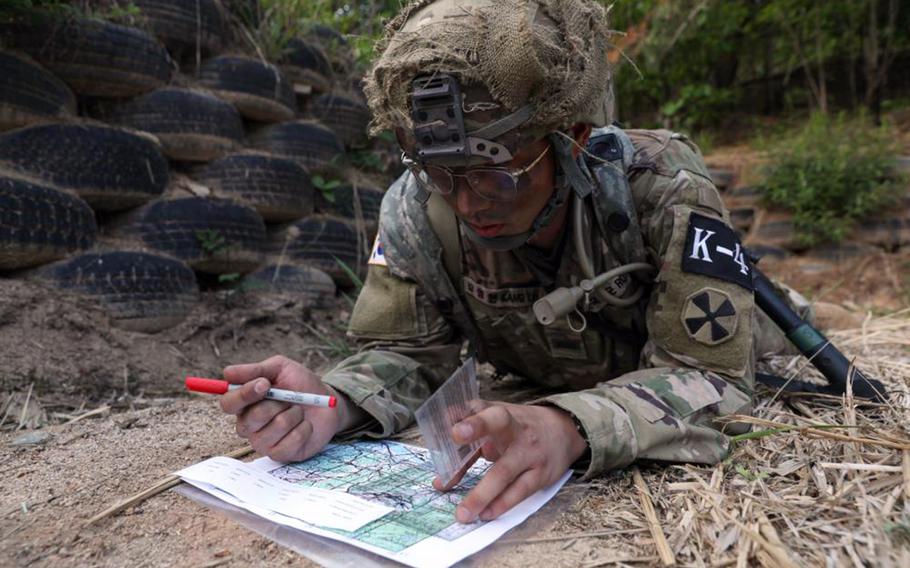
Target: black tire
[(346, 117), (307, 67), (902, 164), (246, 11), (30, 94), (742, 218), (310, 144), (182, 24), (108, 167), (39, 224), (846, 251), (747, 191), (769, 252), (139, 291), (744, 196), (278, 188), (259, 90), (192, 126), (342, 203), (889, 230), (327, 36), (335, 46), (94, 57), (313, 286), (723, 179), (307, 55), (775, 229), (326, 243), (212, 236)]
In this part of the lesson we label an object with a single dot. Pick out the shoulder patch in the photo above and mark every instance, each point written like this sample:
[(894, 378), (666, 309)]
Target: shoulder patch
[(709, 316), (713, 249), (377, 256)]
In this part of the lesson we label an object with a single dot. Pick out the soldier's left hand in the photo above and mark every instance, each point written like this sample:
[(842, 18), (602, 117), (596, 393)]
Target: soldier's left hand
[(532, 447)]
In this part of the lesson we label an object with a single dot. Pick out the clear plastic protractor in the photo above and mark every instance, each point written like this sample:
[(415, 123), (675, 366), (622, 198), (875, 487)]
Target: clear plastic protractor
[(454, 401)]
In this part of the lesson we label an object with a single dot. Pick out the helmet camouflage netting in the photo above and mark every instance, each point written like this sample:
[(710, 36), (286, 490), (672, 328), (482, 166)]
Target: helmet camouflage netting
[(551, 54)]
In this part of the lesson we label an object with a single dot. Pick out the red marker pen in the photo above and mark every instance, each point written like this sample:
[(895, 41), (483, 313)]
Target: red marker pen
[(215, 386)]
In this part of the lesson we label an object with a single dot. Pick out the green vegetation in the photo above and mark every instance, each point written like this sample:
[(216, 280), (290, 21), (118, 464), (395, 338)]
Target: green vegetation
[(831, 173), (358, 23), (17, 6), (694, 64), (10, 10), (211, 241), (899, 531), (352, 275), (327, 187), (229, 278), (686, 64), (748, 474), (108, 10), (126, 12)]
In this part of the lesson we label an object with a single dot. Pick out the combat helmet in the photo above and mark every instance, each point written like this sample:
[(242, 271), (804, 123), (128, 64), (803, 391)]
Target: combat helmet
[(547, 55), (468, 82)]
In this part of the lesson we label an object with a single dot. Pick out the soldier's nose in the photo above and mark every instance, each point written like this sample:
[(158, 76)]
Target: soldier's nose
[(467, 203)]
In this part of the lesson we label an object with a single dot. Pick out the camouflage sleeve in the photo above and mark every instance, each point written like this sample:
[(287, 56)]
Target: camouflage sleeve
[(407, 350), (697, 365)]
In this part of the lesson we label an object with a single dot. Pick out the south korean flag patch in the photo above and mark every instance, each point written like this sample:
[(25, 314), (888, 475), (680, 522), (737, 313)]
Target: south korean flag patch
[(377, 255), (713, 249)]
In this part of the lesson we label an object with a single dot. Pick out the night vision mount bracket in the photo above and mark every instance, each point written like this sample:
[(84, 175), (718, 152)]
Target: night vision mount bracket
[(437, 112)]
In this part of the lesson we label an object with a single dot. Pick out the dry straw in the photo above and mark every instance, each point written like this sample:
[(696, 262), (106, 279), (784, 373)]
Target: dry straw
[(820, 481)]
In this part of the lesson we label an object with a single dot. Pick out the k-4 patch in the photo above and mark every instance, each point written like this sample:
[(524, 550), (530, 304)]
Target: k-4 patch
[(713, 249), (377, 256), (709, 316)]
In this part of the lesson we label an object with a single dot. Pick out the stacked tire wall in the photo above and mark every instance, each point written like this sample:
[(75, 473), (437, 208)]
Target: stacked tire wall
[(146, 159), (771, 233)]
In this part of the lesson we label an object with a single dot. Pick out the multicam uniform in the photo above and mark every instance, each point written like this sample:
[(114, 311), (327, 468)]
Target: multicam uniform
[(644, 382)]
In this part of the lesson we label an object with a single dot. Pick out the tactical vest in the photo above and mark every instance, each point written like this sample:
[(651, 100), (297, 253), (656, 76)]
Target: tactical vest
[(425, 245)]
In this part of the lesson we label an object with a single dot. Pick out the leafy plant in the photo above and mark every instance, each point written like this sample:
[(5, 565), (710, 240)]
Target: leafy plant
[(336, 348), (115, 12), (360, 23), (326, 187), (228, 278), (748, 474), (12, 9), (366, 160), (211, 241), (119, 11), (697, 105), (899, 531), (351, 274), (767, 56), (831, 173)]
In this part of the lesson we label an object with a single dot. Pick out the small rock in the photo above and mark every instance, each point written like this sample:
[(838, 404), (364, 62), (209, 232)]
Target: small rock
[(126, 423), (32, 438)]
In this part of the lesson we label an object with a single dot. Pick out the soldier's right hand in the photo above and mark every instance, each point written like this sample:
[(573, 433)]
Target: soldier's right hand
[(280, 430)]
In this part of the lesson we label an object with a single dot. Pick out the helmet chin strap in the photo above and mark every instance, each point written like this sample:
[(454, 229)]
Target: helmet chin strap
[(568, 176)]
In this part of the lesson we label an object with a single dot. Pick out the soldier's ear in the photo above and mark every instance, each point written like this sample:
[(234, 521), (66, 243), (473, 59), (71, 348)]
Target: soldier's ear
[(580, 131)]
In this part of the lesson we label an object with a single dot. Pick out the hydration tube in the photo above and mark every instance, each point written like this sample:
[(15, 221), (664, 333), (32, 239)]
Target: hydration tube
[(811, 343), (563, 301)]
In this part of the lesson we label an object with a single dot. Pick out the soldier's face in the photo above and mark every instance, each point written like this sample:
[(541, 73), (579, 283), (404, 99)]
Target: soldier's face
[(498, 219)]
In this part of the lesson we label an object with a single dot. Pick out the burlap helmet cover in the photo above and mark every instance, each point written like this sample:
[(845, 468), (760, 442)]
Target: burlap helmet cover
[(551, 54)]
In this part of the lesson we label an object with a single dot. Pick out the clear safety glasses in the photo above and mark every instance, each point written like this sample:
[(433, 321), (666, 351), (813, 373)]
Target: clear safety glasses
[(494, 184)]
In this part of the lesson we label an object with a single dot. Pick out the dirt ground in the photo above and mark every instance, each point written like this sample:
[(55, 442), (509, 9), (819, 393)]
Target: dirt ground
[(111, 420)]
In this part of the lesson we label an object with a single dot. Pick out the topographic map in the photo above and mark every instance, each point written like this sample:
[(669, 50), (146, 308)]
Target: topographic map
[(374, 495), (396, 475)]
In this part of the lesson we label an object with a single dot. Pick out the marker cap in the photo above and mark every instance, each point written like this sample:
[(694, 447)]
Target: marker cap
[(212, 386)]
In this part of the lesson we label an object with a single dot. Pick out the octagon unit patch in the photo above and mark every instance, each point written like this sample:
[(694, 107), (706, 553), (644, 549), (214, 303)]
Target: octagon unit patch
[(709, 316)]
